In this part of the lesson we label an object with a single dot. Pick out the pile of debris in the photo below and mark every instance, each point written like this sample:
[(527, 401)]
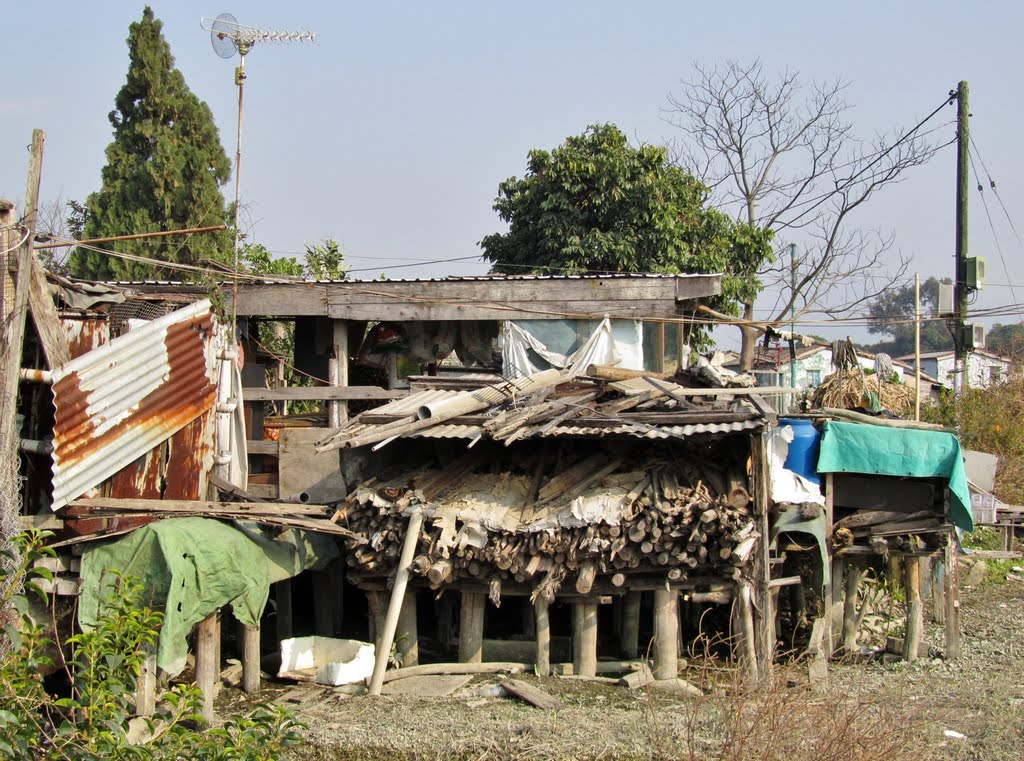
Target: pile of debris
[(602, 521)]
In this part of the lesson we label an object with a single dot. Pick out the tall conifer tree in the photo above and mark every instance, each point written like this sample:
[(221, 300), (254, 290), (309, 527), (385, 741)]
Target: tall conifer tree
[(164, 169)]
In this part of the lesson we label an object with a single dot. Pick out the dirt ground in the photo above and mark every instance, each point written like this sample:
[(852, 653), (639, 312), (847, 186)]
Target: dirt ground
[(972, 708)]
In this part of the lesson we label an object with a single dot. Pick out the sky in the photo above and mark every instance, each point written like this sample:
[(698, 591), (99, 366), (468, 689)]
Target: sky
[(391, 133)]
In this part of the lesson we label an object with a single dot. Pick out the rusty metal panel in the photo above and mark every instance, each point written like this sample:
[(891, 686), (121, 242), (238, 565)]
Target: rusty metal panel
[(119, 401), (85, 334)]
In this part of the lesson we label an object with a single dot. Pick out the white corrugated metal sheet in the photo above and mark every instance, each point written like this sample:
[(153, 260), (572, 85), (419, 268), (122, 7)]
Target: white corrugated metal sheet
[(117, 402)]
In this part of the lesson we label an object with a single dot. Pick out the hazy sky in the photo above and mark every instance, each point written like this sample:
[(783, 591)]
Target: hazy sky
[(392, 132)]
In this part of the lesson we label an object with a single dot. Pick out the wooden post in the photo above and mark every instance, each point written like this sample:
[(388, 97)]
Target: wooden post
[(387, 637), (659, 347), (915, 619), (471, 628), (854, 571), (666, 634), (283, 598), (952, 601), (938, 594), (207, 667), (337, 372), (743, 634), (584, 639), (145, 690), (377, 611), (407, 636), (250, 659), (323, 600), (826, 595), (762, 572), (629, 638), (542, 629)]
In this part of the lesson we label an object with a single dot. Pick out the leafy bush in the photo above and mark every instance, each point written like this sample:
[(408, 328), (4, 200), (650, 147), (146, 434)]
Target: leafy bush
[(94, 721)]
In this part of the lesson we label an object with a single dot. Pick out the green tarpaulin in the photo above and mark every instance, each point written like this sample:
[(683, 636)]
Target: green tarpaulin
[(876, 449), (190, 567)]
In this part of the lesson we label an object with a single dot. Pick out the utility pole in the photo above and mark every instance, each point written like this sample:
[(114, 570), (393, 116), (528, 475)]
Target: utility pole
[(960, 288), (792, 317)]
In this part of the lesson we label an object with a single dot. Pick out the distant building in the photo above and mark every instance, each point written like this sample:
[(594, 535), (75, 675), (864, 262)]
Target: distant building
[(984, 367)]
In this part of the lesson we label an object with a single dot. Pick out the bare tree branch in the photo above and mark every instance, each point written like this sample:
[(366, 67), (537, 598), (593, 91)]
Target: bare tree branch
[(780, 154)]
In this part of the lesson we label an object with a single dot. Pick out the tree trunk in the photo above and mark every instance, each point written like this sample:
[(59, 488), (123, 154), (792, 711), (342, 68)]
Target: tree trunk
[(748, 348)]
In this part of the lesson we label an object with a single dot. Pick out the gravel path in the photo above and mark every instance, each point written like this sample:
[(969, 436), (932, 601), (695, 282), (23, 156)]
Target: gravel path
[(870, 710)]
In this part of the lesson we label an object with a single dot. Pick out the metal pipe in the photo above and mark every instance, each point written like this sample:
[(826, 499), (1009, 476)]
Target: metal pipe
[(36, 376), (34, 446)]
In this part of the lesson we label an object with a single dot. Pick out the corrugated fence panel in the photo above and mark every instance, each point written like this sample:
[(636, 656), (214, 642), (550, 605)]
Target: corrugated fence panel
[(116, 403)]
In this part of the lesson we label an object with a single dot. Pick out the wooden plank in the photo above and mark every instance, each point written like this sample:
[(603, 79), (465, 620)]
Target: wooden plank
[(532, 695), (263, 447), (44, 315), (40, 522), (191, 506), (440, 669), (303, 470), (292, 299), (320, 393)]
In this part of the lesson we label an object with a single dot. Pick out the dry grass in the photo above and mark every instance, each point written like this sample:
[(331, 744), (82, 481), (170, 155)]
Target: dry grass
[(848, 389)]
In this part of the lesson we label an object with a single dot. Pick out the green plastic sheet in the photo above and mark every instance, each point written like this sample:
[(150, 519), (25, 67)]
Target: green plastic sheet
[(879, 450), (190, 567)]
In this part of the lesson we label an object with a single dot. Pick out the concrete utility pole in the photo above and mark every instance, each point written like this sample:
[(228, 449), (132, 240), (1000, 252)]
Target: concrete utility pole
[(960, 288)]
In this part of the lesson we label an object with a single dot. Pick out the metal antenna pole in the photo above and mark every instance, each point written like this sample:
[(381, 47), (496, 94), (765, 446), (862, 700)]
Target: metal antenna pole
[(243, 48)]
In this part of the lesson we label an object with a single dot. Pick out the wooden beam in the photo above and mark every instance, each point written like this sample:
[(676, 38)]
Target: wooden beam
[(198, 505), (263, 447), (44, 315), (320, 393)]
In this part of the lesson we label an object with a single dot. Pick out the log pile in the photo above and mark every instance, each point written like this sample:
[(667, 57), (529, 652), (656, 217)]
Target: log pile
[(677, 521)]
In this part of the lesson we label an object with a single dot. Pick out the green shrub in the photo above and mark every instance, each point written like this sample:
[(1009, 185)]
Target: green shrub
[(94, 720)]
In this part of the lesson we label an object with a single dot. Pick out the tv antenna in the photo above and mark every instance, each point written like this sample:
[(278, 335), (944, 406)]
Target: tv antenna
[(228, 37)]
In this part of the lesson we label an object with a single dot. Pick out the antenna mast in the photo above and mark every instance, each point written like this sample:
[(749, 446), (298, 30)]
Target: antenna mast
[(229, 37)]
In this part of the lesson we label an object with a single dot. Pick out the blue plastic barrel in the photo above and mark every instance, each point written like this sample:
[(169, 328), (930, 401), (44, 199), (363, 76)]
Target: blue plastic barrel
[(803, 449)]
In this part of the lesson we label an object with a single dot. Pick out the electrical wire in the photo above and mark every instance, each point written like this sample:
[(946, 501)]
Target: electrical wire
[(18, 244), (849, 181), (991, 225)]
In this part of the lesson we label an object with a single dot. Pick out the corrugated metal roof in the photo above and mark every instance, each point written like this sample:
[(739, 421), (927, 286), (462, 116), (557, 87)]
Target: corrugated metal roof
[(119, 401), (655, 432), (255, 279)]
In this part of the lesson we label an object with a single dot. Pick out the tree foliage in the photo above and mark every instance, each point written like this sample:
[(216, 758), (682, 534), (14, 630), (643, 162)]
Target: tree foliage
[(93, 720), (892, 314), (164, 169), (596, 204), (1007, 340)]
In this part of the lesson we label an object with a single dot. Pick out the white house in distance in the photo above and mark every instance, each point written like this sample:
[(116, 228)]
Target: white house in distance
[(983, 367), (813, 363)]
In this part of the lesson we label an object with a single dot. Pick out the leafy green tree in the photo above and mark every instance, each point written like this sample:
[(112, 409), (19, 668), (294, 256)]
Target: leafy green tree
[(892, 314), (598, 204), (1006, 339), (164, 169)]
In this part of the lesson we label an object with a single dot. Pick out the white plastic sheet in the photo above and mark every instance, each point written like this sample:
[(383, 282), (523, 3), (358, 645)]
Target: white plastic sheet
[(786, 485)]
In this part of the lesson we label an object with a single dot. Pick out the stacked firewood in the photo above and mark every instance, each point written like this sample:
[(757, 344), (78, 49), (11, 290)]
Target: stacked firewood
[(668, 526)]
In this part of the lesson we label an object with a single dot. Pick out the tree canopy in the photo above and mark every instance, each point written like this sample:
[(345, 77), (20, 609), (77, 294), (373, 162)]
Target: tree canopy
[(596, 204), (892, 314), (164, 169)]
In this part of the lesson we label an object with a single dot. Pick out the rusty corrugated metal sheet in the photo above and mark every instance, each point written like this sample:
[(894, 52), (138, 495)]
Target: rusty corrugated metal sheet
[(116, 403), (85, 334)]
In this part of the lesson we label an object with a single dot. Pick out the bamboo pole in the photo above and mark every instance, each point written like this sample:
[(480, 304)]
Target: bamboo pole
[(387, 637)]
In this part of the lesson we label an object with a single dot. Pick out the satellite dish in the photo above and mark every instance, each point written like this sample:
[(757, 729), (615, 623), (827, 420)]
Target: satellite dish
[(222, 35)]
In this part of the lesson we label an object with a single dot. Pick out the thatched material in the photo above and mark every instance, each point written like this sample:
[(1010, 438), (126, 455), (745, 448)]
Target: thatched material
[(895, 397)]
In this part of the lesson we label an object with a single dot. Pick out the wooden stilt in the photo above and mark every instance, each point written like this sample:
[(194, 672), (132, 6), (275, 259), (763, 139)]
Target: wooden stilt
[(584, 639), (471, 628), (952, 601), (915, 613), (629, 638), (283, 598), (853, 575), (207, 666), (377, 607), (744, 633), (407, 634), (145, 690), (542, 628), (938, 594), (323, 601), (666, 642), (251, 659)]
